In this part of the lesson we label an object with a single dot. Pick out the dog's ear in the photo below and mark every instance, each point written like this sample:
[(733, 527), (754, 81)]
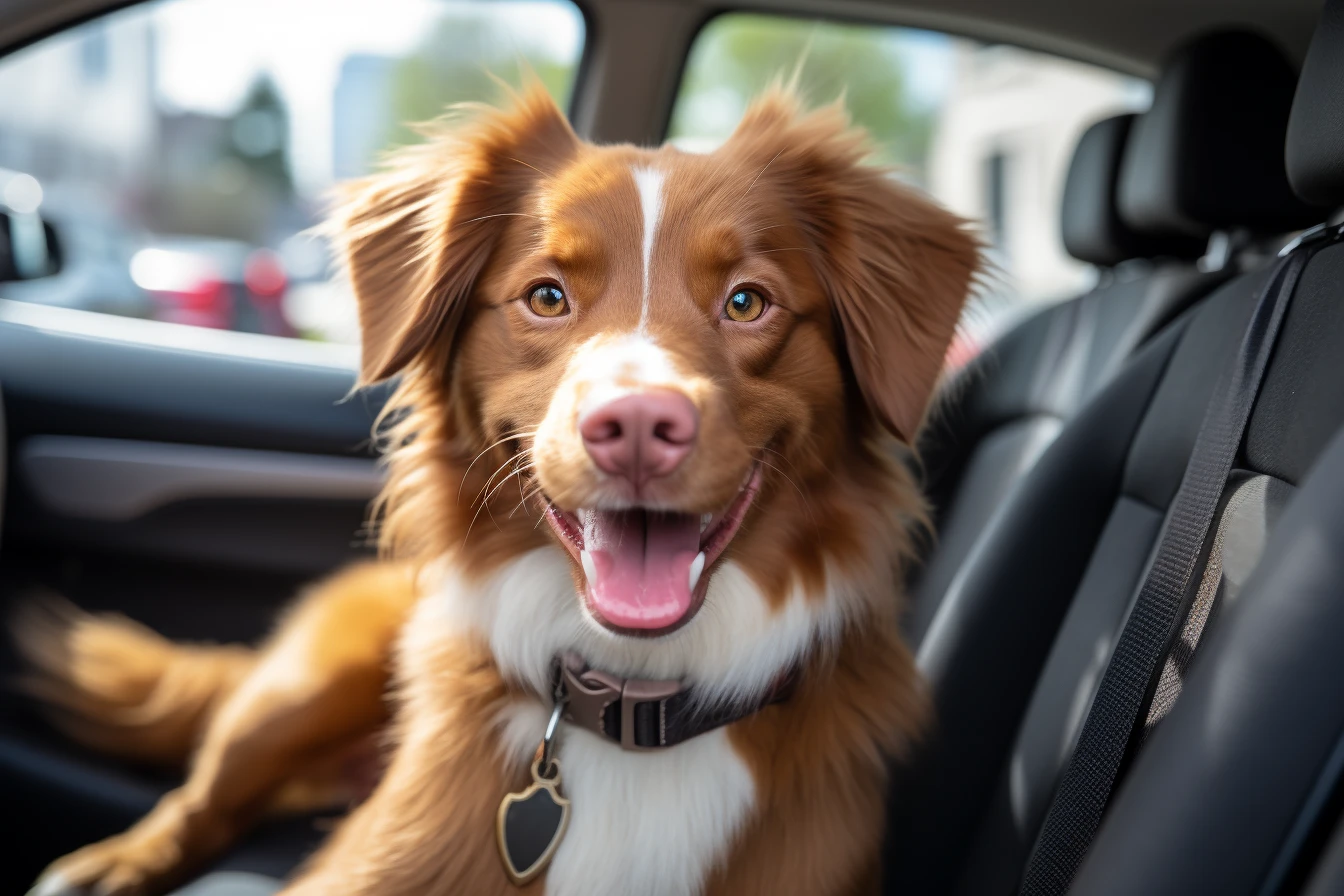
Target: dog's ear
[(896, 266), (416, 236)]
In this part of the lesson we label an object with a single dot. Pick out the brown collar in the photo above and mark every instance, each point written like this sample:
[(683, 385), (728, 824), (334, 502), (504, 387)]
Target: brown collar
[(645, 715)]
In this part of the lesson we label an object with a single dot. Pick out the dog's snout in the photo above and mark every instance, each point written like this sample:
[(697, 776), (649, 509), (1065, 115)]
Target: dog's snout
[(641, 436)]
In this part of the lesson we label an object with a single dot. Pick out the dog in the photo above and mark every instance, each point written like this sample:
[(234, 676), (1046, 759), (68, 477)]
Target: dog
[(645, 521)]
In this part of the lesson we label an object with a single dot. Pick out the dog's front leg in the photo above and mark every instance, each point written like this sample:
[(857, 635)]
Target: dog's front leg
[(429, 827)]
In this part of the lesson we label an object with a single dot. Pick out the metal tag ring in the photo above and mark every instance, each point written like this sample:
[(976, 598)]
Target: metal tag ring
[(547, 761)]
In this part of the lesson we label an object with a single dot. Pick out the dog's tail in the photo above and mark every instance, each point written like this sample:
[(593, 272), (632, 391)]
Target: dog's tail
[(118, 687)]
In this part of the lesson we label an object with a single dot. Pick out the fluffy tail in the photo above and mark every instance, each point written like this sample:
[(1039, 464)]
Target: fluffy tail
[(118, 687)]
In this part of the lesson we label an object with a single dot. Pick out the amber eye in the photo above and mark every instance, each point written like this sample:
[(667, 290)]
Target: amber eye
[(744, 306), (548, 300)]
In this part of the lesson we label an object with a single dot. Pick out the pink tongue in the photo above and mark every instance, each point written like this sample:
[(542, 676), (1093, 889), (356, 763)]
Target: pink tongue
[(639, 575)]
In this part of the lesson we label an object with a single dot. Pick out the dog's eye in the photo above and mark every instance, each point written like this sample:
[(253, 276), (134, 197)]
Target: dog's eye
[(744, 306), (548, 300)]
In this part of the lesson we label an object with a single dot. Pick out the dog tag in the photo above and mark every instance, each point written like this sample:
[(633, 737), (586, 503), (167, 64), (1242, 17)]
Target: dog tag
[(530, 825)]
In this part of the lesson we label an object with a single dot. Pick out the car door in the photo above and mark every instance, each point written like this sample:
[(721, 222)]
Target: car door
[(181, 438)]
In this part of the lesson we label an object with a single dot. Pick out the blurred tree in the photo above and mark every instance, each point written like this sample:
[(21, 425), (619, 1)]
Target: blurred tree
[(739, 54), (455, 64), (259, 137), (226, 176)]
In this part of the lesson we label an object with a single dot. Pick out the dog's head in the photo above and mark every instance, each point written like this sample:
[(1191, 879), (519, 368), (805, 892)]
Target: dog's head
[(676, 360)]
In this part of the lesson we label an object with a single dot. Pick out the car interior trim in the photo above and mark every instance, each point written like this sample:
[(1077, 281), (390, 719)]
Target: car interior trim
[(122, 479), (229, 343)]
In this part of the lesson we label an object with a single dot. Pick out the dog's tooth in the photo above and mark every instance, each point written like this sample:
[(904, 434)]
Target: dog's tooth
[(582, 516), (589, 570), (704, 521), (697, 567)]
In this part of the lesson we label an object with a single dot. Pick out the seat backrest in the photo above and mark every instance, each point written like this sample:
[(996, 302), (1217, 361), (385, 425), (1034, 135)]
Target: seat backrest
[(998, 415), (1248, 767), (1015, 651)]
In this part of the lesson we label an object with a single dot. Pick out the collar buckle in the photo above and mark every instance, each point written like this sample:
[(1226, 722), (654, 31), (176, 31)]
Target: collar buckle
[(591, 692), (637, 691)]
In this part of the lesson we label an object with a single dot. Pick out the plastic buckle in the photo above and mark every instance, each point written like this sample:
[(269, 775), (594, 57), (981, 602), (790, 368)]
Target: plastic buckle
[(637, 691), (589, 694)]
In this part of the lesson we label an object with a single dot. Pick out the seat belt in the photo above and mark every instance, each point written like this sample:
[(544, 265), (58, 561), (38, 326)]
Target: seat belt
[(1080, 800)]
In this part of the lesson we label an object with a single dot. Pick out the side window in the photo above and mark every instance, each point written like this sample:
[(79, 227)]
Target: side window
[(987, 129), (181, 150)]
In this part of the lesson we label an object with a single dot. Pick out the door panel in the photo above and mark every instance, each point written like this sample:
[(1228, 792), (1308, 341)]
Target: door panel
[(117, 480), (194, 491), (120, 445), (80, 373), (265, 509)]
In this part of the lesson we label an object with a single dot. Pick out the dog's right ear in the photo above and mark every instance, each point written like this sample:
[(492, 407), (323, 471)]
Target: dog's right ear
[(416, 236)]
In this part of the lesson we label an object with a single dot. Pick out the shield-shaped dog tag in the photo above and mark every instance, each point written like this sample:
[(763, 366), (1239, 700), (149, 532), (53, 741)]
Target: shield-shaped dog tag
[(530, 824)]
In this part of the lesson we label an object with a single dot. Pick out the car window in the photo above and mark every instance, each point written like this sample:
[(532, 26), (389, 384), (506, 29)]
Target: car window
[(987, 129), (182, 150)]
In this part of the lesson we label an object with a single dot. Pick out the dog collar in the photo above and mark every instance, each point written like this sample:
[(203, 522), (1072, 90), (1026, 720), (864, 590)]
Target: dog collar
[(641, 714), (636, 713)]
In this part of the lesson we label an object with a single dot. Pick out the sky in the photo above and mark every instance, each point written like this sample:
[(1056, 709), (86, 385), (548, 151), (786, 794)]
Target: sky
[(210, 51)]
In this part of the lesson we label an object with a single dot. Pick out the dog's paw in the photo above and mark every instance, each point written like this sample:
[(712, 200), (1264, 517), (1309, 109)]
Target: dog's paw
[(54, 883), (119, 866)]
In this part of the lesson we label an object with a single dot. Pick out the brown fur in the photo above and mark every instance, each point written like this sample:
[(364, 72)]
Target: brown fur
[(866, 280), (821, 771), (117, 686), (429, 828)]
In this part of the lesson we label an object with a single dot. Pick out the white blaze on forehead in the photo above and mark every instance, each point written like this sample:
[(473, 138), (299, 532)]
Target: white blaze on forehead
[(607, 368), (649, 182)]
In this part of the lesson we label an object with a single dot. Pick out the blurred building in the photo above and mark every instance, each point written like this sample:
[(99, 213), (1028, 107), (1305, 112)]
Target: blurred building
[(187, 136), (1000, 151), (361, 116), (79, 113)]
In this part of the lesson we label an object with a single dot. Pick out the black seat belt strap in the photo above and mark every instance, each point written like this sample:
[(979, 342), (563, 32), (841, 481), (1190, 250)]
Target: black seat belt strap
[(1088, 780)]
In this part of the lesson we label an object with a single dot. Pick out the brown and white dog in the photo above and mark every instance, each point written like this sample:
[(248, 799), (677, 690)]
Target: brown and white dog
[(645, 418)]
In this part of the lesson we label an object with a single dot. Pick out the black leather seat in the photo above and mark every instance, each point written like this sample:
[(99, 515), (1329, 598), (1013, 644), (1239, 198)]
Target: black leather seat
[(1240, 790), (1015, 652), (996, 417)]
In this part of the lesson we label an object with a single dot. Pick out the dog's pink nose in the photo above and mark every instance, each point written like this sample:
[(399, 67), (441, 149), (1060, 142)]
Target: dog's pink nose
[(642, 436)]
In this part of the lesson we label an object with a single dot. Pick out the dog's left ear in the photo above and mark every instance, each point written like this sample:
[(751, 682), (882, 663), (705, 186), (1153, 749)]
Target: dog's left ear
[(416, 236), (897, 267)]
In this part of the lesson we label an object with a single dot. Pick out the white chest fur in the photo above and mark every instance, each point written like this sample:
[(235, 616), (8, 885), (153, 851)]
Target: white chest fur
[(641, 824)]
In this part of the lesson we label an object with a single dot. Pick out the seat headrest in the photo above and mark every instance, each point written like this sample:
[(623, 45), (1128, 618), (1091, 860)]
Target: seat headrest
[(1090, 222), (1315, 150), (1208, 155)]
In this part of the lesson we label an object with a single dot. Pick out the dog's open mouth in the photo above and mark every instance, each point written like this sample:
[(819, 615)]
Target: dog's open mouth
[(645, 569)]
